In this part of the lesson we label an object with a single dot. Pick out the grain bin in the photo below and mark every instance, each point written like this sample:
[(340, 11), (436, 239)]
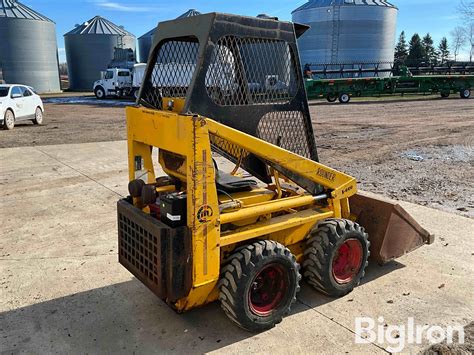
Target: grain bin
[(28, 47), (145, 41), (90, 48), (347, 31)]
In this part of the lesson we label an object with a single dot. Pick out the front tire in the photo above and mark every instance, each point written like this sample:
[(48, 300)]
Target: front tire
[(336, 256), (258, 285), (38, 116), (445, 95), (465, 94), (99, 93), (9, 120), (344, 98)]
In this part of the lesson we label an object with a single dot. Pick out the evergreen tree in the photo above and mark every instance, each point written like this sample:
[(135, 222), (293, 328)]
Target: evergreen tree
[(416, 52), (431, 55), (401, 49), (443, 50)]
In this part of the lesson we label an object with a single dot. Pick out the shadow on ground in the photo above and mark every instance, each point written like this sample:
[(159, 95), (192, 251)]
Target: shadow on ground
[(126, 317)]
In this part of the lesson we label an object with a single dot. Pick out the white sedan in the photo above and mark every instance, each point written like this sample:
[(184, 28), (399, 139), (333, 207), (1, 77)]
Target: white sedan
[(19, 103)]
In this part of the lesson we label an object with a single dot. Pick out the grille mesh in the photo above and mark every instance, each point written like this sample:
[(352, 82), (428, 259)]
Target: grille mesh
[(251, 71), (286, 129), (140, 248), (173, 72)]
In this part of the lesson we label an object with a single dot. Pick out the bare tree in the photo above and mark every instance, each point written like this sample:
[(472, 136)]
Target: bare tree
[(469, 31), (458, 40), (466, 9)]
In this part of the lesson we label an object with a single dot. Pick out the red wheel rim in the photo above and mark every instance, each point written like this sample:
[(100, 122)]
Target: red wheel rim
[(268, 289), (347, 261)]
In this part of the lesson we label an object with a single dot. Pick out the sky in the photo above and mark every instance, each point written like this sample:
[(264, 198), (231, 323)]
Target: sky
[(438, 17)]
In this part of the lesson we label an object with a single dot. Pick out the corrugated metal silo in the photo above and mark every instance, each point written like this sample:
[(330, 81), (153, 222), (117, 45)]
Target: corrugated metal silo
[(347, 31), (28, 47), (145, 41), (90, 48)]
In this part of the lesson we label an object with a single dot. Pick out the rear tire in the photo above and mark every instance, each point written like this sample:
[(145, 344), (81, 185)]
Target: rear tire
[(465, 93), (445, 95), (258, 285), (99, 93), (336, 256), (9, 120), (331, 97), (38, 116), (344, 98)]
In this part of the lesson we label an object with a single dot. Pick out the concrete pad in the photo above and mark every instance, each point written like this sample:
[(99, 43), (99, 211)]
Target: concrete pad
[(62, 289)]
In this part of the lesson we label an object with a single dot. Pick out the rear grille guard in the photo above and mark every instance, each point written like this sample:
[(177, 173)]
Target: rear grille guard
[(159, 256)]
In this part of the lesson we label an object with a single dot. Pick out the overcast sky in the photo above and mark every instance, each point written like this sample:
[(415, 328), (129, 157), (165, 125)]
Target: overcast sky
[(438, 17)]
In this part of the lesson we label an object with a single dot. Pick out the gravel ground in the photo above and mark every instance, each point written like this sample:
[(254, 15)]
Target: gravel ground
[(420, 151)]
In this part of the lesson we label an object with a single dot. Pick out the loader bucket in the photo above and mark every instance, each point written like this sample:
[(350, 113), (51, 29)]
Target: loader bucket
[(392, 231)]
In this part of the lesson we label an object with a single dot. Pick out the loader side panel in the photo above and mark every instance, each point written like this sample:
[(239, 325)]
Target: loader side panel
[(159, 256)]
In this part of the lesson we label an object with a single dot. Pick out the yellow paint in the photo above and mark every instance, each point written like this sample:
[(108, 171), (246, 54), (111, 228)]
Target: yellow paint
[(275, 212)]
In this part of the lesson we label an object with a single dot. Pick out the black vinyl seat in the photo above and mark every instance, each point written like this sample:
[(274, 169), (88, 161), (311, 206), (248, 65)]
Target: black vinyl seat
[(230, 184)]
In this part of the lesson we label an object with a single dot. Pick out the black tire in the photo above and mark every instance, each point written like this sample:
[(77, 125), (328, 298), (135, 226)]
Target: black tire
[(445, 95), (99, 92), (331, 97), (324, 250), (9, 120), (243, 283), (344, 98), (38, 116), (465, 93)]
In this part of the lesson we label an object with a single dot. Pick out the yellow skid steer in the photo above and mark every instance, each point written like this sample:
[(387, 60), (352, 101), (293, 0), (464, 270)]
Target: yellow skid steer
[(223, 86)]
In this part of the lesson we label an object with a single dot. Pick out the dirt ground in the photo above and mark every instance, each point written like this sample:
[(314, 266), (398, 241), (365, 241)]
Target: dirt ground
[(455, 349), (420, 150)]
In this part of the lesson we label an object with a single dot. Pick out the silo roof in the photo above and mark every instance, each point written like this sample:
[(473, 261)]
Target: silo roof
[(99, 26), (189, 13), (325, 3), (15, 9)]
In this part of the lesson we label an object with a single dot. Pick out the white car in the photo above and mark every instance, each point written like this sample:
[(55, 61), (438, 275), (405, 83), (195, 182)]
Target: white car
[(19, 103)]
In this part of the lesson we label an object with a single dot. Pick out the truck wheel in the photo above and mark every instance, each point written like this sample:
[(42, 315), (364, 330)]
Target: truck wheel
[(99, 92), (331, 97), (9, 120), (38, 116), (344, 98), (465, 94), (259, 284), (336, 256), (445, 95)]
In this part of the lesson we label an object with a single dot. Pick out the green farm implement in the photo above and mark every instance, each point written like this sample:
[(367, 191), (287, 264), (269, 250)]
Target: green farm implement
[(343, 89)]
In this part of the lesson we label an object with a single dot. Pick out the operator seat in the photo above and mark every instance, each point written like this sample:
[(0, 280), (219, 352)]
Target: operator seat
[(227, 183)]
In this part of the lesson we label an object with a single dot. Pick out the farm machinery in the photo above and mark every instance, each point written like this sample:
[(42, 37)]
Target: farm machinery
[(343, 89), (194, 233)]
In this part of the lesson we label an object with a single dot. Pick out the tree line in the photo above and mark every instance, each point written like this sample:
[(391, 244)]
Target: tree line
[(422, 51)]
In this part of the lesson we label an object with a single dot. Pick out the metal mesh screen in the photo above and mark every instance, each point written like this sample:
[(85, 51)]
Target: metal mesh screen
[(140, 248), (175, 64), (251, 71), (286, 129)]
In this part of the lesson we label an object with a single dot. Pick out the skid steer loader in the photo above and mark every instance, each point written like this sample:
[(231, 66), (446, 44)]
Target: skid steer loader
[(233, 88)]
